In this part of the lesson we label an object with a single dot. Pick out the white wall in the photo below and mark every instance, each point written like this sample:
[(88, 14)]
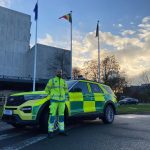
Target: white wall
[(14, 42)]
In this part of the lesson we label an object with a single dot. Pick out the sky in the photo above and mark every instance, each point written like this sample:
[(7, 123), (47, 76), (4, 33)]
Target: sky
[(124, 30)]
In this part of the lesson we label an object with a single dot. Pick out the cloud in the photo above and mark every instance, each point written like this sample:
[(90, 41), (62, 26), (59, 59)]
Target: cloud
[(132, 53), (5, 3), (47, 40), (145, 25), (131, 23), (128, 32), (120, 25), (144, 32), (146, 19)]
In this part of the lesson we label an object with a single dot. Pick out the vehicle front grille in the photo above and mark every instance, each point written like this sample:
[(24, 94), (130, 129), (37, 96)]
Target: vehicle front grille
[(9, 118), (10, 108), (15, 100)]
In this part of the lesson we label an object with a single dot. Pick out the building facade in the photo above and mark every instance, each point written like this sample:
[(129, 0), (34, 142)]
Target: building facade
[(17, 59), (14, 42), (49, 59)]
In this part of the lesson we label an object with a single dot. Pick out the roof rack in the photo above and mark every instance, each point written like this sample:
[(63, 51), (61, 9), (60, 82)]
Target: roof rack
[(91, 81)]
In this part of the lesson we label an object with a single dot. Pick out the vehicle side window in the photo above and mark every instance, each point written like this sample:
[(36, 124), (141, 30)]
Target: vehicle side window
[(82, 86), (95, 88)]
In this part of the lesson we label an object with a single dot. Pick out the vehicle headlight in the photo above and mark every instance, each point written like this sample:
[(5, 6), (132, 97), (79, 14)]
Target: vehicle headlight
[(26, 109)]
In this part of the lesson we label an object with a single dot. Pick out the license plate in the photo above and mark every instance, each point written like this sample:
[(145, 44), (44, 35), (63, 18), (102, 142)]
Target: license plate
[(7, 112)]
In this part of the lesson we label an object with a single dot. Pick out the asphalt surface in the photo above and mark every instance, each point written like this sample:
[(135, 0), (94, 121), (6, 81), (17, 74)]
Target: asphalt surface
[(128, 132)]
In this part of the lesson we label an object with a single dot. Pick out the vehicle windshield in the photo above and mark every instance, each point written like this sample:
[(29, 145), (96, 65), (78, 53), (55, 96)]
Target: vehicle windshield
[(71, 83), (34, 96)]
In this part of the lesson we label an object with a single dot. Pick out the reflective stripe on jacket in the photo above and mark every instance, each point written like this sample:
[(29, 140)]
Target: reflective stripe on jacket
[(57, 89)]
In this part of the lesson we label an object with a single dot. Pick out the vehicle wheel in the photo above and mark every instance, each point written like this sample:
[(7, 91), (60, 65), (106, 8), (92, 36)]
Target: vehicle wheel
[(44, 120), (18, 126), (109, 115)]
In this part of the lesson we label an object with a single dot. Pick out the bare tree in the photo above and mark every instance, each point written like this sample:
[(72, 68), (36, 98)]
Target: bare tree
[(60, 61), (110, 73), (76, 72), (145, 77), (109, 68), (90, 70)]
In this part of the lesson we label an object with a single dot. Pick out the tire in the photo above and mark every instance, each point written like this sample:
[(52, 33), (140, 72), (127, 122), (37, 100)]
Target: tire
[(109, 115), (43, 122)]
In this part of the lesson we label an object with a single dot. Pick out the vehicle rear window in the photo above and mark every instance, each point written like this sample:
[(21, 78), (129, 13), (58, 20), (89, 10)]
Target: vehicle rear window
[(95, 88), (108, 89)]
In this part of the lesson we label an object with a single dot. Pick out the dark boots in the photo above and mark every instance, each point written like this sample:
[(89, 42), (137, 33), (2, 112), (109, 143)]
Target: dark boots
[(63, 133), (50, 135)]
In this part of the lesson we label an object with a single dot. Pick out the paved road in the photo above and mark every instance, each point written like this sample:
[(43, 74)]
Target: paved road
[(128, 132)]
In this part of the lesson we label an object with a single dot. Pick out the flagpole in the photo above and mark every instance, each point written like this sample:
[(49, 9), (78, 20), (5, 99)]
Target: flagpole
[(98, 53), (71, 46), (35, 55)]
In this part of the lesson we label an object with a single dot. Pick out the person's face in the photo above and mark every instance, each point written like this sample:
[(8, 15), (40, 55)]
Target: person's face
[(59, 73)]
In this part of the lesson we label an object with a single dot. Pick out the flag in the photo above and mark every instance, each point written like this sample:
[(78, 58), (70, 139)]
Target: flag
[(36, 11), (67, 17), (97, 30)]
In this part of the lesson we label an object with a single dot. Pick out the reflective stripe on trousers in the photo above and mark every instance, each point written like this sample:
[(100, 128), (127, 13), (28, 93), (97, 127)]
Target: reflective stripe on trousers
[(54, 107)]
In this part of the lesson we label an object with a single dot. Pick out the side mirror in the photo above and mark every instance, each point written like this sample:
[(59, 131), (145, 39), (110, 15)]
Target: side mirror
[(76, 90)]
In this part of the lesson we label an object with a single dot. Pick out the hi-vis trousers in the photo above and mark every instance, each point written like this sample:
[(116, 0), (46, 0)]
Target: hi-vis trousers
[(54, 107)]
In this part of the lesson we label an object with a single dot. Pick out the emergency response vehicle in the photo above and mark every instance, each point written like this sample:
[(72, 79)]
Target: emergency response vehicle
[(87, 100)]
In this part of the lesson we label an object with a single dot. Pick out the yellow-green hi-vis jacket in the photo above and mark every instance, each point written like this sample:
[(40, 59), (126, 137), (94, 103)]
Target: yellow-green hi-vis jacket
[(57, 88)]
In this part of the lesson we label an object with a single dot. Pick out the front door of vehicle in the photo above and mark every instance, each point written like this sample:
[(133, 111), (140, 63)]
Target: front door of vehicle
[(76, 98), (99, 96), (80, 99)]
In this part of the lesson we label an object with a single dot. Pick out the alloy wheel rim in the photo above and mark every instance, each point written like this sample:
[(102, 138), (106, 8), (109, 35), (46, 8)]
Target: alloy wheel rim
[(110, 114)]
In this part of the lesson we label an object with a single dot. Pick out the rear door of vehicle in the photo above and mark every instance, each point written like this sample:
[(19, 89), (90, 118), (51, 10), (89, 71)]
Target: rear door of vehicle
[(99, 96)]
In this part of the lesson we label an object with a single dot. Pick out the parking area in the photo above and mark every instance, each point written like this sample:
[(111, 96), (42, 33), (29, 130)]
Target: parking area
[(128, 132)]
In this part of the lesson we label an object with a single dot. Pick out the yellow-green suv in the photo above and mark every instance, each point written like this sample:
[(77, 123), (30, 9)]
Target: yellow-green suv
[(87, 100)]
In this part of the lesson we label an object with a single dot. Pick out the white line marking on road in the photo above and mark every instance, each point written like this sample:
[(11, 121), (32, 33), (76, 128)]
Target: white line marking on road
[(25, 143), (131, 116), (4, 126), (6, 136), (29, 141)]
